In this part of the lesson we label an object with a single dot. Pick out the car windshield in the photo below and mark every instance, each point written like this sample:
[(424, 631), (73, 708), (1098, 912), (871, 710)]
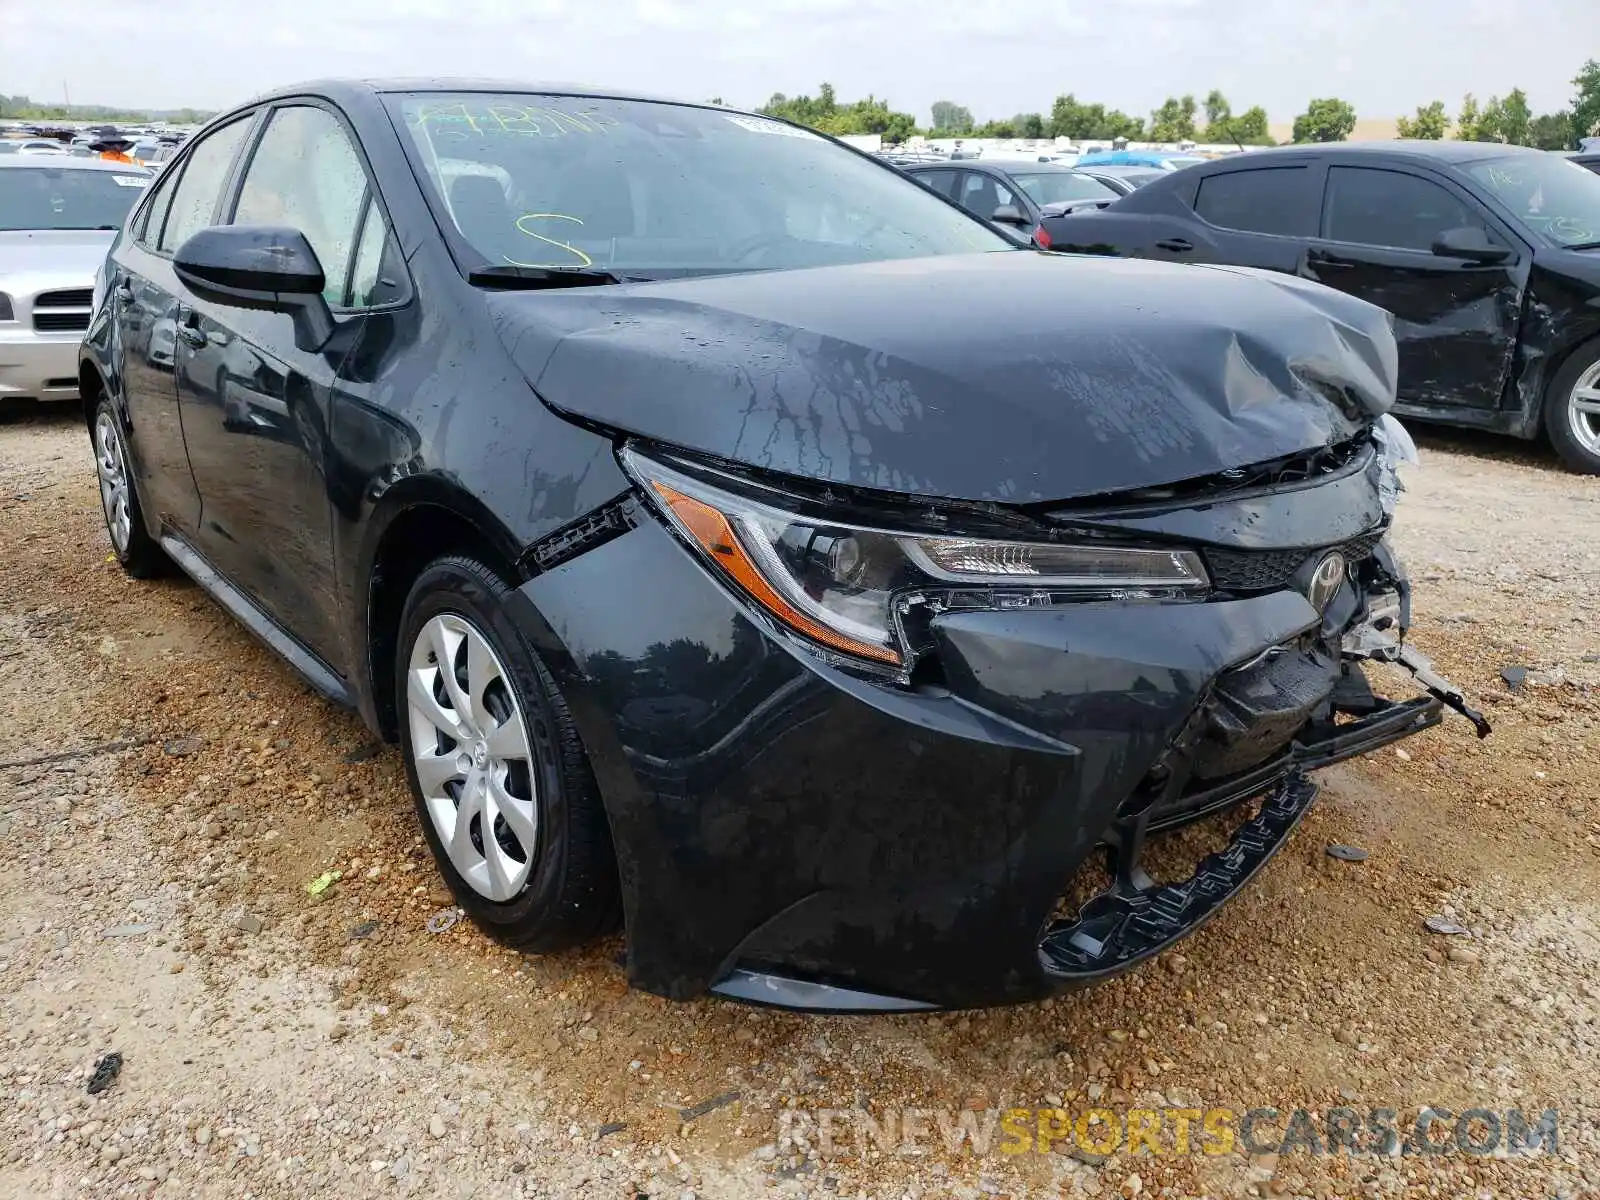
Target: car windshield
[(1053, 187), (646, 188), (1555, 198), (47, 197)]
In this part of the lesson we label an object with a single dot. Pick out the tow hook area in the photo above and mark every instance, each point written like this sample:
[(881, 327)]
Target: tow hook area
[(1379, 646)]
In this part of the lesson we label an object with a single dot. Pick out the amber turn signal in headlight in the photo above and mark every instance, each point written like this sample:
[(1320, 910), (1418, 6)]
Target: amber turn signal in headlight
[(841, 585)]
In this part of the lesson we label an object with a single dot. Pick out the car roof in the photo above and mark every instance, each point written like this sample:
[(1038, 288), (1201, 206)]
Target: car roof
[(336, 89), (1415, 148), (68, 162)]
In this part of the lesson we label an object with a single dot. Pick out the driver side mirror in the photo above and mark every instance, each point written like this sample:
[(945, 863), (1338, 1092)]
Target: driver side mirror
[(1008, 214), (1470, 244), (267, 268)]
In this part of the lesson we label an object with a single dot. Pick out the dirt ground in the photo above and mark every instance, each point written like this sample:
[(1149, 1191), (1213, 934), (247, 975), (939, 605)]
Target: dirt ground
[(154, 902)]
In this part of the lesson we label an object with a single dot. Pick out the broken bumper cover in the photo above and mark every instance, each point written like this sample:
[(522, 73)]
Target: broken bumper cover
[(794, 834)]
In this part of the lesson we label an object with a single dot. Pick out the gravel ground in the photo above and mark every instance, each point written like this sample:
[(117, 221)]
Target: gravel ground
[(154, 903)]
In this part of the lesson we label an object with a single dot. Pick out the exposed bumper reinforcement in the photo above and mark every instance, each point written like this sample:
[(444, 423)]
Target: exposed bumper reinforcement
[(1136, 917)]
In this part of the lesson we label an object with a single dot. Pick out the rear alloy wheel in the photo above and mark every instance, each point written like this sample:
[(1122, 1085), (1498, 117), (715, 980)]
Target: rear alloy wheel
[(1572, 411), (506, 797), (139, 553)]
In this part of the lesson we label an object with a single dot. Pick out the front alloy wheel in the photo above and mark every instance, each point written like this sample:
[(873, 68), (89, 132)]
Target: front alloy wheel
[(1584, 400), (1572, 410), (469, 747), (507, 800)]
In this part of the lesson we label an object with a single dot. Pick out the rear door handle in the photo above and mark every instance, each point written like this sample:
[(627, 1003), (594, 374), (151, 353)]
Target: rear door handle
[(189, 329), (1176, 245)]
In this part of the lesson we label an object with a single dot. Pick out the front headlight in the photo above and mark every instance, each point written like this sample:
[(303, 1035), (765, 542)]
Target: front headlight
[(853, 589), (6, 312)]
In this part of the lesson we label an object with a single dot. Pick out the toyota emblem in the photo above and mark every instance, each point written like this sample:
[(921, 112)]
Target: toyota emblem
[(1325, 581)]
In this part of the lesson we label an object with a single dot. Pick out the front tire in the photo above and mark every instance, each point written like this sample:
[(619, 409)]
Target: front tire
[(502, 786), (1572, 410), (140, 554)]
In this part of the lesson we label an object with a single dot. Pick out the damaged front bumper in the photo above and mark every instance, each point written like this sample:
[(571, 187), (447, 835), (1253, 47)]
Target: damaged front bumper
[(794, 833)]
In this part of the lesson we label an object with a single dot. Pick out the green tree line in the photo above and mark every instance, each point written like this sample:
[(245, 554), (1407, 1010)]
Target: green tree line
[(21, 108), (1181, 118)]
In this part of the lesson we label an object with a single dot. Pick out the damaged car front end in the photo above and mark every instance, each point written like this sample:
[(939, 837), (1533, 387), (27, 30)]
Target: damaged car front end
[(864, 742), (918, 573)]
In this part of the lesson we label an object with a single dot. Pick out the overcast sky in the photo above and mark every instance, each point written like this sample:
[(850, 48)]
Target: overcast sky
[(1385, 56)]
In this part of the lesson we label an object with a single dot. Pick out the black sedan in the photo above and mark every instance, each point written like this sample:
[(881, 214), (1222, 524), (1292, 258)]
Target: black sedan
[(1488, 256), (745, 544), (1016, 195)]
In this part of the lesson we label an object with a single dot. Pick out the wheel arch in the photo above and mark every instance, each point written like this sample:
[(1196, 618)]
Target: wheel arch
[(91, 389), (417, 520)]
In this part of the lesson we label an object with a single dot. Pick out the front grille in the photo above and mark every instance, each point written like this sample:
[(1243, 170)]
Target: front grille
[(60, 322), (68, 298), (1269, 570)]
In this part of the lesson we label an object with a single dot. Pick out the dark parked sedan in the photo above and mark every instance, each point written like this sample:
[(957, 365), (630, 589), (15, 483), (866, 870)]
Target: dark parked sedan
[(1014, 194), (1487, 255), (746, 544)]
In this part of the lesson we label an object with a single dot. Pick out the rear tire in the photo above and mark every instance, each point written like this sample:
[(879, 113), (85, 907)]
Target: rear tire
[(503, 788), (1572, 410), (140, 554)]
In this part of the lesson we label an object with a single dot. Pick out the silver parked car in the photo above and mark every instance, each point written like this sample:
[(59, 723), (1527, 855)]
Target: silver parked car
[(58, 215)]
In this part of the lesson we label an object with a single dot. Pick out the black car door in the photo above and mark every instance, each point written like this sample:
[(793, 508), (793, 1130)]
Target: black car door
[(1455, 319), (144, 296), (255, 407), (1251, 216)]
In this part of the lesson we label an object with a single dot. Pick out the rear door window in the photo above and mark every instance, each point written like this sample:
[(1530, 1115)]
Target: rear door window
[(148, 230), (1273, 200)]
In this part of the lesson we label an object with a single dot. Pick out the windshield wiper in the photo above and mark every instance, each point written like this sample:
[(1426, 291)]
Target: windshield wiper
[(1583, 246), (533, 278)]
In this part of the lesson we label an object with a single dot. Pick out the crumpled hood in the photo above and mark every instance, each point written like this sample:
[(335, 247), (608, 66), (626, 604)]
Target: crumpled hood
[(1009, 377)]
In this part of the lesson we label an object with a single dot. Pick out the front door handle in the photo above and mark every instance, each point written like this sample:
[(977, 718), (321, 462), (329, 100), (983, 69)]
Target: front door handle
[(1176, 245), (1323, 261), (189, 329)]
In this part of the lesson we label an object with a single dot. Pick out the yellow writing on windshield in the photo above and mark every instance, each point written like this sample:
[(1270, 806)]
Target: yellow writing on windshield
[(522, 227), (450, 120), (460, 121), (539, 121)]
